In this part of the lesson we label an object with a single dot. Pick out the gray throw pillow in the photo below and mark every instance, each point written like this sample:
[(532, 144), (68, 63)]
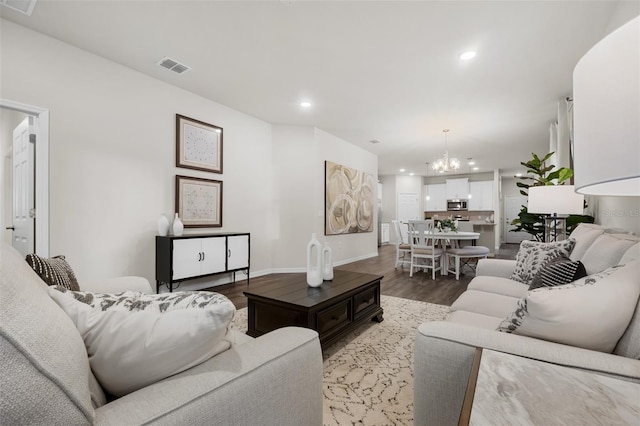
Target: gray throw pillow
[(532, 255), (557, 271), (54, 271)]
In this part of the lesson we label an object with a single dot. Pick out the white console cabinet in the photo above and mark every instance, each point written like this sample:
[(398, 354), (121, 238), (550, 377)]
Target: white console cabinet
[(237, 252), (193, 256)]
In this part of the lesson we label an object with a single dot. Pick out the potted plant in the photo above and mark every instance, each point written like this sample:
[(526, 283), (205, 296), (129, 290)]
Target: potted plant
[(447, 224), (538, 174)]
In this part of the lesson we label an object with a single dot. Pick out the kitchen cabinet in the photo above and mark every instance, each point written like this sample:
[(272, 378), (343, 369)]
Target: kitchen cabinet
[(457, 189), (481, 196), (193, 256), (437, 197)]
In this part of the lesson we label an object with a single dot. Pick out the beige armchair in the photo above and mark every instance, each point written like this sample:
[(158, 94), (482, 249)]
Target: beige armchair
[(275, 379)]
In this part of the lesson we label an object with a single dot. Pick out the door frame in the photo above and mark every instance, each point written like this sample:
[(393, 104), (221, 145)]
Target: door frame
[(41, 243)]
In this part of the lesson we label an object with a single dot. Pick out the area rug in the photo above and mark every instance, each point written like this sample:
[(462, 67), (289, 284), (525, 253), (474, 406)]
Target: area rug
[(368, 375)]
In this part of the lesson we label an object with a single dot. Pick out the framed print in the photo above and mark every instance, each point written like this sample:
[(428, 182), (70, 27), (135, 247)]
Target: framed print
[(199, 202), (198, 145), (349, 200)]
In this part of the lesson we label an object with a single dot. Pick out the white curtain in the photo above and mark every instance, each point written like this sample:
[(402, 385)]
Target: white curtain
[(553, 144)]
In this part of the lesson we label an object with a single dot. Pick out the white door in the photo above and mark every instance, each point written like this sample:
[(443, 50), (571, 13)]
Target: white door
[(512, 207), (187, 258), (238, 251), (408, 206), (23, 188), (213, 255)]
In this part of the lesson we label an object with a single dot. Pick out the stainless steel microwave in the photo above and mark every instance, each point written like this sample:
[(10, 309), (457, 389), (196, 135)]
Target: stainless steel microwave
[(456, 205)]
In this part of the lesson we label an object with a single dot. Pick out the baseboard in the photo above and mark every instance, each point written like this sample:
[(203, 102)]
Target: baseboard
[(304, 269), (208, 282)]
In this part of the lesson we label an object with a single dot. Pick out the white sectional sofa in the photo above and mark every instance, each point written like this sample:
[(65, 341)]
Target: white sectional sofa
[(275, 379), (590, 325)]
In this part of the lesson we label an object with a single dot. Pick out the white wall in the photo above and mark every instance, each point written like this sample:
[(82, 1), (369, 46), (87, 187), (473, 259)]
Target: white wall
[(388, 198), (113, 153), (616, 212), (410, 184), (294, 199), (347, 248), (112, 139), (299, 155)]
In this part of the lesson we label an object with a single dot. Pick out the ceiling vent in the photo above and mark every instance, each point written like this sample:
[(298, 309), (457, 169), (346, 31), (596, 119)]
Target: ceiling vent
[(22, 6), (172, 65)]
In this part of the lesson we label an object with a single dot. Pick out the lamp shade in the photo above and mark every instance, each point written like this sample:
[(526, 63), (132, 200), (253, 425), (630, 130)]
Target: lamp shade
[(606, 94), (559, 199)]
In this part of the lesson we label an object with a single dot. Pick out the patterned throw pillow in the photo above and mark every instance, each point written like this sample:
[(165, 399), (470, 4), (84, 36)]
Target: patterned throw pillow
[(134, 339), (579, 314), (54, 271), (532, 255), (515, 319), (557, 271)]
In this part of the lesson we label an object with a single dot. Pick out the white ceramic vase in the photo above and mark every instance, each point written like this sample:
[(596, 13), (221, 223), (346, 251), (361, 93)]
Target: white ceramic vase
[(314, 262), (163, 226), (178, 227), (327, 263)]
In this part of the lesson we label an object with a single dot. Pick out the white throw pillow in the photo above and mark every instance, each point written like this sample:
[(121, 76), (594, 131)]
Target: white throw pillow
[(606, 251), (134, 339), (532, 255), (584, 234), (592, 313), (633, 253)]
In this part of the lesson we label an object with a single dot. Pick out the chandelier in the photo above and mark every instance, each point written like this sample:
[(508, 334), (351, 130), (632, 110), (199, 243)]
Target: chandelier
[(446, 164)]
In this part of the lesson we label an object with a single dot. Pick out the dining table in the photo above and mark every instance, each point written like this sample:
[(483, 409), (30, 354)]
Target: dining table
[(445, 237)]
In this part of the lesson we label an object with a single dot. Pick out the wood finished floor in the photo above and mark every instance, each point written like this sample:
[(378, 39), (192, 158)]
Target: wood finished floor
[(396, 282)]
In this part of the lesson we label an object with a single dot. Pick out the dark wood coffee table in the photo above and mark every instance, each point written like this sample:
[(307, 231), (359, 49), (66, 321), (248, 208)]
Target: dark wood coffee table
[(333, 309)]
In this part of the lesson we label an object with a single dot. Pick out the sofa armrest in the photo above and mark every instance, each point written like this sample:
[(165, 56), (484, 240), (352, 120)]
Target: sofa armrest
[(495, 267), (275, 379), (118, 285), (444, 353)]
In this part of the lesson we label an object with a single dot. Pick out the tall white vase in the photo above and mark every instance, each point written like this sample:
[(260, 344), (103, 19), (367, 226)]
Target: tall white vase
[(163, 226), (314, 262), (178, 227), (327, 263)]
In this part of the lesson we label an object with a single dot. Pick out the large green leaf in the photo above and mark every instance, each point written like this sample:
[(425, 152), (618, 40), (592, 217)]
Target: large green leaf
[(564, 174), (546, 157)]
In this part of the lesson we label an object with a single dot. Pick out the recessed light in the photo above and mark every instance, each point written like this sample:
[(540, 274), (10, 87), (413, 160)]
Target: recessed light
[(518, 174), (476, 168), (305, 104), (468, 55), (471, 163), (401, 170), (411, 174)]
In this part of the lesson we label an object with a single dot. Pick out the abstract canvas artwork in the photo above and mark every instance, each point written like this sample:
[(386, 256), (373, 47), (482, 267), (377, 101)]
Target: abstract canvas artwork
[(349, 200)]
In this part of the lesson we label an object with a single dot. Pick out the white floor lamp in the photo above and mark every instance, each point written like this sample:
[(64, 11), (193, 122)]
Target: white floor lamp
[(554, 200), (606, 93)]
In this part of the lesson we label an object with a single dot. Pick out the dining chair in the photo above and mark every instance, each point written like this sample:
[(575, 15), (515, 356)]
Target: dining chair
[(423, 247), (464, 226), (462, 257), (403, 248)]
